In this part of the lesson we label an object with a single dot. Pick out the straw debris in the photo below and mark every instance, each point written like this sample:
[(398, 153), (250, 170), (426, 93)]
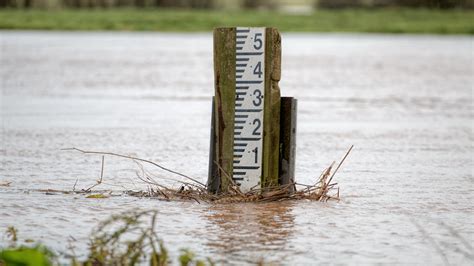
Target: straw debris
[(190, 188)]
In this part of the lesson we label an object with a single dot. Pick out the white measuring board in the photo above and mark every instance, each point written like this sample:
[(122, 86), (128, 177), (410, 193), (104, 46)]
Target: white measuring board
[(249, 101)]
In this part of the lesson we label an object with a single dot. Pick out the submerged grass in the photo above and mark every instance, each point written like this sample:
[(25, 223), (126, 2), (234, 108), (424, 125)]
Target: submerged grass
[(389, 20)]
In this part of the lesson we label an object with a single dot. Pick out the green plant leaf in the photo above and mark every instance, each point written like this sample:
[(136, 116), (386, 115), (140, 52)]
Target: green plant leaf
[(25, 257), (97, 196)]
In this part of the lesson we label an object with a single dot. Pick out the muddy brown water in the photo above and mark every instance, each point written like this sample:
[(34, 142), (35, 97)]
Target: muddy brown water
[(404, 101)]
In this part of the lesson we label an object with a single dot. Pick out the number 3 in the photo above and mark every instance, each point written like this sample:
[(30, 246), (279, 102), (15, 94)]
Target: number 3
[(258, 100)]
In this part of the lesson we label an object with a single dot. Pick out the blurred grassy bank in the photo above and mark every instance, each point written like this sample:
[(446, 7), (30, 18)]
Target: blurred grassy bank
[(346, 20)]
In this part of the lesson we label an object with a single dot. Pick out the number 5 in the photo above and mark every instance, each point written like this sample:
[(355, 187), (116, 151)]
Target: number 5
[(257, 40)]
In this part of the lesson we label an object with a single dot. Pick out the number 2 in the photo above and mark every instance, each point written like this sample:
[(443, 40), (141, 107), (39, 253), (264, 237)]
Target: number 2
[(255, 131)]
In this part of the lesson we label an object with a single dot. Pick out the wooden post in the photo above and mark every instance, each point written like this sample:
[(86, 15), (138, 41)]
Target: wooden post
[(271, 120), (222, 129), (287, 140), (213, 180), (224, 105)]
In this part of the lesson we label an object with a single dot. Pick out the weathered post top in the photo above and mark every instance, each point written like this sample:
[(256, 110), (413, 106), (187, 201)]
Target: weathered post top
[(245, 139)]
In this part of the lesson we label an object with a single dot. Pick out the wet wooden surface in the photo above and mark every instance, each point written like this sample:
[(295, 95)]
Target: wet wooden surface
[(224, 102)]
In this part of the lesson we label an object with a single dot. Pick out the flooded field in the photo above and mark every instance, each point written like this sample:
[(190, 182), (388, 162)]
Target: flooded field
[(405, 102)]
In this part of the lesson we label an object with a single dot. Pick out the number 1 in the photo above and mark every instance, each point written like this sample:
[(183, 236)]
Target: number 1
[(256, 154)]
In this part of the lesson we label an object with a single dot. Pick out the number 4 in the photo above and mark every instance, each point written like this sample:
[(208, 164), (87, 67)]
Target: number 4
[(258, 70)]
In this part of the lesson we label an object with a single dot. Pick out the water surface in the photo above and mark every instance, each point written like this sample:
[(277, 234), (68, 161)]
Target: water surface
[(404, 101)]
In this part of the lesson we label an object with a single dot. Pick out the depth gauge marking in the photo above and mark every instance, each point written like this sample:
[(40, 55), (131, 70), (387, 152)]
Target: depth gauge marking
[(249, 102)]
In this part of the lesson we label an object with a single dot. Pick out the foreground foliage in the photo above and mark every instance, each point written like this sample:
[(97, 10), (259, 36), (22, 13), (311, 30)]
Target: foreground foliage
[(37, 255), (125, 239)]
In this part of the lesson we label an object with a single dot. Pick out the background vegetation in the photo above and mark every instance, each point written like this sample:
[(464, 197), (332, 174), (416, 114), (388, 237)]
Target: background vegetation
[(125, 239), (272, 4), (347, 20), (385, 16)]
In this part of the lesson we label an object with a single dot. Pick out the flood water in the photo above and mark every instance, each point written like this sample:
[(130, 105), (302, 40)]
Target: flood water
[(404, 101)]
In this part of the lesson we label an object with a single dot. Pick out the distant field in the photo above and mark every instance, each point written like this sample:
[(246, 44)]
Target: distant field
[(360, 20)]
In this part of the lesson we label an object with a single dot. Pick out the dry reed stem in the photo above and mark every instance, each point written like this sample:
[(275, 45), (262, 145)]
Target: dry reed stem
[(138, 159)]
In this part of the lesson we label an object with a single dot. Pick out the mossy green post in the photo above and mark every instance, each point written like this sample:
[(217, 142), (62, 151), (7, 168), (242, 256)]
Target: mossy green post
[(271, 116), (224, 102)]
